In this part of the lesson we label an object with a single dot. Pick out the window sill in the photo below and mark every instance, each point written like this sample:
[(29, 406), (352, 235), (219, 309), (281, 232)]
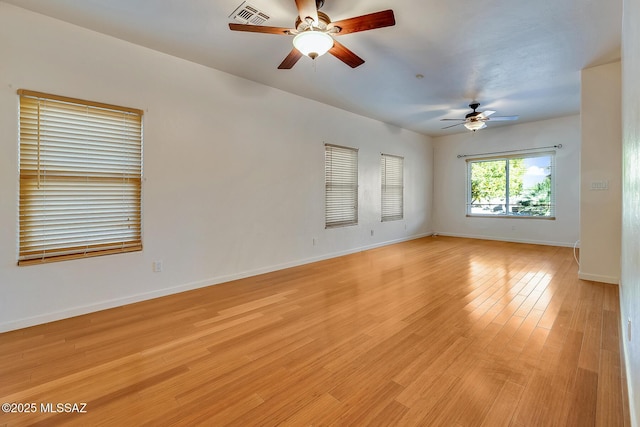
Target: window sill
[(549, 218)]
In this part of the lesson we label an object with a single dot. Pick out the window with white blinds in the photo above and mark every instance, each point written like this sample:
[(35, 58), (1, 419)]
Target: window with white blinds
[(392, 174), (80, 178), (341, 186)]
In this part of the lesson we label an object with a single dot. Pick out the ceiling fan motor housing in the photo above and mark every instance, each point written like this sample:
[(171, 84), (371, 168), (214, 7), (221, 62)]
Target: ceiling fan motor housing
[(474, 113), (323, 21)]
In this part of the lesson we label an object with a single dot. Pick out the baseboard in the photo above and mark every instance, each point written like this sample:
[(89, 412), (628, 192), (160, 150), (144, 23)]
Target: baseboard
[(599, 278), (502, 239), (117, 302)]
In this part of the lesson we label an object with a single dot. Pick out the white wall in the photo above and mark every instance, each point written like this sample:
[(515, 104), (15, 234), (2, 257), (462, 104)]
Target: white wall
[(234, 172), (450, 177), (630, 277), (601, 161)]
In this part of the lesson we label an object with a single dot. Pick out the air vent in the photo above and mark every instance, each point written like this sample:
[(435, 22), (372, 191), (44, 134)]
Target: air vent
[(247, 14)]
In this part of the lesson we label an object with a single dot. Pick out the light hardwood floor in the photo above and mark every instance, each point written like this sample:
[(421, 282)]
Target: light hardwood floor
[(436, 331)]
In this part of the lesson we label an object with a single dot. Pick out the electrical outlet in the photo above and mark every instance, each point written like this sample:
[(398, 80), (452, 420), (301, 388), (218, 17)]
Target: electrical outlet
[(371, 233), (315, 241), (157, 266)]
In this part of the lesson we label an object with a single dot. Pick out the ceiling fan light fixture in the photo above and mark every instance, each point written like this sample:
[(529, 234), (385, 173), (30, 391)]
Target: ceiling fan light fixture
[(313, 43), (475, 125)]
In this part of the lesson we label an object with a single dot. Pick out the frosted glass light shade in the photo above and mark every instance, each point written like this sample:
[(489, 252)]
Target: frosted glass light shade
[(313, 43), (475, 125)]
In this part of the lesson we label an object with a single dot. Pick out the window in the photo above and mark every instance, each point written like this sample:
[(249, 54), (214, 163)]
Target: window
[(391, 171), (80, 178), (341, 186), (521, 186)]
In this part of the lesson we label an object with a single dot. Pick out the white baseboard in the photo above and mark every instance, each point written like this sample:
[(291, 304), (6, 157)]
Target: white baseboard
[(599, 278), (502, 239), (117, 302)]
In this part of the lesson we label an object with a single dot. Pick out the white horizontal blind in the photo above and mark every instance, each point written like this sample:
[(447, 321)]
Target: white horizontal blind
[(80, 178), (341, 186), (392, 174)]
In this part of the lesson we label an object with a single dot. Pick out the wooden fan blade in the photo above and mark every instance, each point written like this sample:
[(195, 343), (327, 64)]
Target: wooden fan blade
[(501, 118), (290, 60), (365, 22), (260, 29), (345, 55), (457, 124), (307, 9), (487, 113)]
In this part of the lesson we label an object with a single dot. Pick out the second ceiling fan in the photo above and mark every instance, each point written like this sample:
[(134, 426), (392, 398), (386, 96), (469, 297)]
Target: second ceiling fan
[(314, 32), (476, 120)]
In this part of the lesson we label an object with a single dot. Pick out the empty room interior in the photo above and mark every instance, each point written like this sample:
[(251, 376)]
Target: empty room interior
[(302, 212)]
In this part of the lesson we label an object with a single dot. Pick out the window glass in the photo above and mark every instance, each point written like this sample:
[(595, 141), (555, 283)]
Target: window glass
[(512, 186)]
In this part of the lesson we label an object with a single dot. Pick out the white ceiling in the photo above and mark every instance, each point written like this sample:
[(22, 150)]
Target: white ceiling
[(517, 57)]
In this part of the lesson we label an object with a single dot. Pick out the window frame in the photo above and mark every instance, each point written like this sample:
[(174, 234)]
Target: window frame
[(509, 212), (391, 188), (341, 186), (80, 178)]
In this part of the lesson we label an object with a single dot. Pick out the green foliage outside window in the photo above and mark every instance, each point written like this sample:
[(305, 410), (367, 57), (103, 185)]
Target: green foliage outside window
[(488, 179), (537, 201)]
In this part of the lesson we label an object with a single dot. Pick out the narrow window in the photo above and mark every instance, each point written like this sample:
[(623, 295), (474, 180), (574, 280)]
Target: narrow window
[(341, 186), (520, 186), (391, 171), (80, 178)]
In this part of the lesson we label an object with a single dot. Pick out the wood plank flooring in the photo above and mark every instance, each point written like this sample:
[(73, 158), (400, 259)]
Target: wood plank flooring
[(436, 331)]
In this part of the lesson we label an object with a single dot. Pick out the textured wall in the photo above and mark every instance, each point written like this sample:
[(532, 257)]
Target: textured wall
[(630, 281)]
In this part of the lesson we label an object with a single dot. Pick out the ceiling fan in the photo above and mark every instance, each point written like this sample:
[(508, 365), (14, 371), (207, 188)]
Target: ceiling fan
[(477, 119), (314, 32)]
